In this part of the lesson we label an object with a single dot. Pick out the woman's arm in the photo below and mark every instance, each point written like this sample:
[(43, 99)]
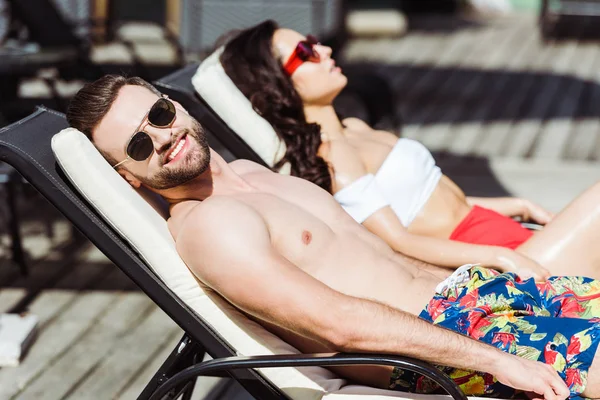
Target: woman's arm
[(448, 253), (513, 207)]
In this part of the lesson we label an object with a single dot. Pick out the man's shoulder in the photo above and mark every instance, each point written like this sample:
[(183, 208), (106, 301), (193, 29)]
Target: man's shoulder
[(246, 166), (215, 226), (215, 209), (214, 216)]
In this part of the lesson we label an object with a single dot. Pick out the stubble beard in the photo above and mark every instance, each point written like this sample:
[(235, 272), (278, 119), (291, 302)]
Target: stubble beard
[(194, 164)]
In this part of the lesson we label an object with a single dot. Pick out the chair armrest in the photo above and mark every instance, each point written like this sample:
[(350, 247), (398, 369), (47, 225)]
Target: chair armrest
[(307, 360), (532, 226)]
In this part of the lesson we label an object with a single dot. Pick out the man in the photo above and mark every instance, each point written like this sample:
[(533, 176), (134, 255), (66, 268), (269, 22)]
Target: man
[(284, 252)]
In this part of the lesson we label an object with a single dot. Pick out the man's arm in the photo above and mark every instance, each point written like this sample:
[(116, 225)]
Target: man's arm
[(228, 246)]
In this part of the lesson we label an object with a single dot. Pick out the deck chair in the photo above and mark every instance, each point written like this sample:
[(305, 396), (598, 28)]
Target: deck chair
[(130, 229)]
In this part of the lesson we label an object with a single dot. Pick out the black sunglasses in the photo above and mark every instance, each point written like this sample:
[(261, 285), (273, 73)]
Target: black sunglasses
[(140, 146)]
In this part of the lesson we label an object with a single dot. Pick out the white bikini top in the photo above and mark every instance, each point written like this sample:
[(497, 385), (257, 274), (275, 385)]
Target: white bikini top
[(405, 181)]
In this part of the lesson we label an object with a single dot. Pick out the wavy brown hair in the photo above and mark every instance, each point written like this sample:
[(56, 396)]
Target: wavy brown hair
[(249, 61)]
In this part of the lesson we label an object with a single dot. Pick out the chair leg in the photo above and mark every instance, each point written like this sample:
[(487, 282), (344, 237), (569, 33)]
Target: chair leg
[(186, 353), (18, 254), (189, 390)]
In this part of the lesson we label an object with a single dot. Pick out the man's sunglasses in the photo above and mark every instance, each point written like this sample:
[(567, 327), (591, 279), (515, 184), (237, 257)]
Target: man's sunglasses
[(140, 146), (304, 51)]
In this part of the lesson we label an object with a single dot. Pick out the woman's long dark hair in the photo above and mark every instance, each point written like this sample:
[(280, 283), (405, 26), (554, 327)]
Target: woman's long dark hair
[(249, 61)]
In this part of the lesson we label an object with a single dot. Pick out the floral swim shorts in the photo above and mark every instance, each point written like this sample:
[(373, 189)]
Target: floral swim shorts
[(556, 322)]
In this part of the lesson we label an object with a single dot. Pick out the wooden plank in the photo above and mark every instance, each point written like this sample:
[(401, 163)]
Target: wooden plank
[(38, 247), (486, 51), (483, 92), (422, 80), (400, 62), (508, 104), (46, 264), (138, 382), (447, 95), (41, 274), (53, 341), (377, 50), (395, 61), (586, 130), (583, 140), (204, 385), (422, 91), (64, 316), (527, 128), (97, 339), (125, 355), (549, 183), (9, 271), (392, 51), (556, 132), (403, 80), (9, 297)]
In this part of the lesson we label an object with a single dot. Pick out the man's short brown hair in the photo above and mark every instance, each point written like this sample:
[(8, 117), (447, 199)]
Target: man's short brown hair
[(89, 106)]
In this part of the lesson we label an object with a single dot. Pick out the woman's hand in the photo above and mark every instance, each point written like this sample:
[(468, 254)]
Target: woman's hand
[(533, 212), (511, 261), (513, 207)]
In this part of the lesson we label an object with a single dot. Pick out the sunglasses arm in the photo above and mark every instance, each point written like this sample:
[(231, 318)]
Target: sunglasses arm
[(292, 64), (122, 162)]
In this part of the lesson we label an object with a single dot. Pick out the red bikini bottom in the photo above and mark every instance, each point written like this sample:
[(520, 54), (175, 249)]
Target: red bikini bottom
[(484, 226)]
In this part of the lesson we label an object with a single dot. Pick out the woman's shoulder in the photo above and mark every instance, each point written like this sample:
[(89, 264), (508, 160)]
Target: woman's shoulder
[(358, 129), (355, 123)]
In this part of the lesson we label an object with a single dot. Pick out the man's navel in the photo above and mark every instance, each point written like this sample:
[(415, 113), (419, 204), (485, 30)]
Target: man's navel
[(306, 237)]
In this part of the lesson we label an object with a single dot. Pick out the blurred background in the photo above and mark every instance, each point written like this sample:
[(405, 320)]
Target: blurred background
[(505, 92)]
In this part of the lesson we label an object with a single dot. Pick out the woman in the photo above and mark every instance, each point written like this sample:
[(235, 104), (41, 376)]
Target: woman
[(392, 186)]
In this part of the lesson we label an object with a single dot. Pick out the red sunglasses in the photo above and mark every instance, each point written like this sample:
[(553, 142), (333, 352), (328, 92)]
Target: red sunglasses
[(304, 51)]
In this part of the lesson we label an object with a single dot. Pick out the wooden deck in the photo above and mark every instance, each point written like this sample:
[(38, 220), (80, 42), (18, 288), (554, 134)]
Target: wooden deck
[(99, 336), (492, 89), (506, 114)]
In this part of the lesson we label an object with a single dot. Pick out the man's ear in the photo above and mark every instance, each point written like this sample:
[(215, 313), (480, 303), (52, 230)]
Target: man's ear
[(132, 180)]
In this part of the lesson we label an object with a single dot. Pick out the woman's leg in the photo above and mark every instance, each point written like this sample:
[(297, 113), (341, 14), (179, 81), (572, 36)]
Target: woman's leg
[(570, 243)]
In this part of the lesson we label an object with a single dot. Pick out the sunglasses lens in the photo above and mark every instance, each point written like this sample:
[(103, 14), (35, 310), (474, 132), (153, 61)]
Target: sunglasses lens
[(140, 147), (311, 39), (306, 52), (162, 113)]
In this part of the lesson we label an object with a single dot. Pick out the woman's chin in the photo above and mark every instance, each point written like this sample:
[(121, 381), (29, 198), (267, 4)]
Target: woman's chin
[(341, 84)]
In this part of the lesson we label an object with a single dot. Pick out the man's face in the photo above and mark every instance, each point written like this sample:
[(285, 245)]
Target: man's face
[(181, 151)]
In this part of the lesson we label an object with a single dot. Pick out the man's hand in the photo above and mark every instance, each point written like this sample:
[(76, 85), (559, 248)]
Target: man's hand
[(511, 261), (531, 376), (534, 212)]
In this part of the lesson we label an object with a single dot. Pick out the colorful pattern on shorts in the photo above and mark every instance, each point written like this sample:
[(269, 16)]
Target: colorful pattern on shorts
[(555, 322)]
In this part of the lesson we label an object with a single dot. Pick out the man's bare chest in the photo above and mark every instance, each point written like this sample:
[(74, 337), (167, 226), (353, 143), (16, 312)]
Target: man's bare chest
[(295, 232)]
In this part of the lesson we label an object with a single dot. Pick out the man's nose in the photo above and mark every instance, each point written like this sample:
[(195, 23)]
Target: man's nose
[(161, 137)]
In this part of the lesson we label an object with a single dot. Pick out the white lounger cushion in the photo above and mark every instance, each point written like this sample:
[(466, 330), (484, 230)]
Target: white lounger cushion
[(220, 93), (146, 231)]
